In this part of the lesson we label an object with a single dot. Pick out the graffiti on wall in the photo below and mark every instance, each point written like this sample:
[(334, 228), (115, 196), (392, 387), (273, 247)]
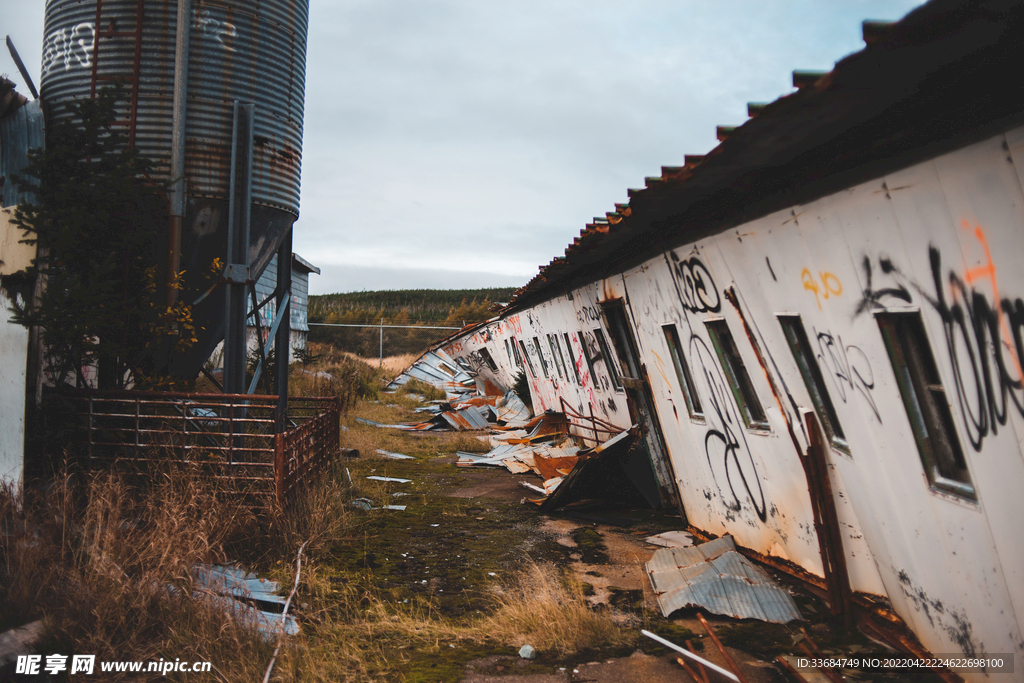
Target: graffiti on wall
[(731, 464), (848, 366), (68, 47), (696, 287), (984, 333), (830, 285)]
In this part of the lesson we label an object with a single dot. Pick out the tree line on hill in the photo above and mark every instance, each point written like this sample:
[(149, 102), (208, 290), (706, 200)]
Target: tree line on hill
[(413, 307)]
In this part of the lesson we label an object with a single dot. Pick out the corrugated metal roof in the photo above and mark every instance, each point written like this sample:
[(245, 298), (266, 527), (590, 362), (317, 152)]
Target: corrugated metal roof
[(717, 578)]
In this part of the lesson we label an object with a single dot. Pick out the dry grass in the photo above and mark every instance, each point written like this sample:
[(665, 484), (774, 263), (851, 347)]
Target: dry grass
[(464, 441), (110, 569), (548, 610), (392, 366)]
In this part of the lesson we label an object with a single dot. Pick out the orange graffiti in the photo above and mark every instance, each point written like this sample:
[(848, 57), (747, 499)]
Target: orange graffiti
[(988, 272), (830, 285)]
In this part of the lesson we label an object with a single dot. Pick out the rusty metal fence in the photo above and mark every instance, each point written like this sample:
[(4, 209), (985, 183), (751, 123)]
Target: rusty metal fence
[(231, 437)]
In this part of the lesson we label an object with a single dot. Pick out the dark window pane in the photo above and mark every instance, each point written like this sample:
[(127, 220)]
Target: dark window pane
[(925, 402), (736, 372), (540, 355), (572, 358), (683, 372), (811, 373)]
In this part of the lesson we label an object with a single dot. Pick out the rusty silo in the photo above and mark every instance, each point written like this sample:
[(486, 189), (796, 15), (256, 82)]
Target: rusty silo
[(251, 52)]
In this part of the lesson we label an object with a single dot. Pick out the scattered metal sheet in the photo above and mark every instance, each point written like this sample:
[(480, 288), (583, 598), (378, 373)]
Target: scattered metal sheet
[(242, 594), (392, 455), (715, 577), (398, 508), (391, 479), (671, 539), (512, 411), (20, 641)]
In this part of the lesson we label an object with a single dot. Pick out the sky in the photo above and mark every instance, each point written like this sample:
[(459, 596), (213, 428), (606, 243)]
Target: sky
[(464, 143)]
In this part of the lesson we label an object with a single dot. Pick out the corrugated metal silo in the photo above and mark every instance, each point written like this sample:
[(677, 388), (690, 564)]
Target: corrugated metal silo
[(253, 51)]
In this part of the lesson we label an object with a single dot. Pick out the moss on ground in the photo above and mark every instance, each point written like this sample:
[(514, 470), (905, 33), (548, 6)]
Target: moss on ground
[(590, 545)]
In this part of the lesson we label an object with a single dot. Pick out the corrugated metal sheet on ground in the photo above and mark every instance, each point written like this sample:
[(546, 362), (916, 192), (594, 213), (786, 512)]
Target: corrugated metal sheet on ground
[(237, 592), (512, 411), (717, 578)]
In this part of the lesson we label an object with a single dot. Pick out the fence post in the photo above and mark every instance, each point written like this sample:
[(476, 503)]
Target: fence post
[(279, 467), (381, 365)]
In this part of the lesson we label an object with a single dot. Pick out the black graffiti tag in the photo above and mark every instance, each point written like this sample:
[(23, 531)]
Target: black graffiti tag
[(984, 340), (849, 367), (696, 287), (723, 450)]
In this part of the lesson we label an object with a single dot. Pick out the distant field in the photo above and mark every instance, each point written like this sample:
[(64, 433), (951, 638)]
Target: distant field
[(420, 307)]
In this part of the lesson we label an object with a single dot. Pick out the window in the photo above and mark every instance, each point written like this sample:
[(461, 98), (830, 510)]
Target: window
[(486, 355), (608, 362), (925, 402), (540, 354), (589, 358), (556, 357), (515, 352), (683, 373), (572, 358), (508, 352), (742, 389), (526, 356), (809, 370)]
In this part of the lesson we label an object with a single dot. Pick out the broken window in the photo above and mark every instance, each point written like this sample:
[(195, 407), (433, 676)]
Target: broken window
[(526, 356), (556, 357), (607, 358), (486, 355), (813, 379), (540, 355), (925, 402), (693, 406), (572, 358), (508, 352), (736, 372)]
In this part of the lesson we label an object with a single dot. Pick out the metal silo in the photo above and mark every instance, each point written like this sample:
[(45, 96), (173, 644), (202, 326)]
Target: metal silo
[(251, 52)]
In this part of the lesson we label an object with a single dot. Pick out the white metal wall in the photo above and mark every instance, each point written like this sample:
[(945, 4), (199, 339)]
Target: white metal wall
[(13, 353), (943, 238)]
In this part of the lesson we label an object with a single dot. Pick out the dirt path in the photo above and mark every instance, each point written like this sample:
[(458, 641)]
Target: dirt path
[(465, 530)]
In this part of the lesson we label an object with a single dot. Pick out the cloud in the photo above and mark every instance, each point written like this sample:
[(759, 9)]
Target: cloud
[(464, 137)]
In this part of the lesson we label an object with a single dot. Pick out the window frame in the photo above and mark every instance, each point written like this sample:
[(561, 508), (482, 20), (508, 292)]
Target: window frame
[(609, 361), (559, 367), (689, 390), (572, 359), (724, 342), (488, 359), (919, 378), (529, 363), (800, 346), (540, 356)]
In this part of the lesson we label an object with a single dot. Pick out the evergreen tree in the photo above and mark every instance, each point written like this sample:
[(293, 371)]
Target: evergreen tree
[(96, 219)]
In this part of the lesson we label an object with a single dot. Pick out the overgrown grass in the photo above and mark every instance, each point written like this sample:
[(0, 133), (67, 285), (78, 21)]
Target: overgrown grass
[(548, 609), (109, 564)]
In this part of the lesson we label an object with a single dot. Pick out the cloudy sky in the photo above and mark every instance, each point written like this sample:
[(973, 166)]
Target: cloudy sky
[(464, 143)]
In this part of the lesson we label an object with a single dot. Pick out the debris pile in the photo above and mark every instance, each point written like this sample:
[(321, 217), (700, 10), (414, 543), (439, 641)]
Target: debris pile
[(466, 413)]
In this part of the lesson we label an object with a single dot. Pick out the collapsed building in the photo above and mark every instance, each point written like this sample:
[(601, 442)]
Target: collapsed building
[(844, 262)]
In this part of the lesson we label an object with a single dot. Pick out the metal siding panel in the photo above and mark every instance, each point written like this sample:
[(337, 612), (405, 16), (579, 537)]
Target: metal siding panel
[(256, 54)]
